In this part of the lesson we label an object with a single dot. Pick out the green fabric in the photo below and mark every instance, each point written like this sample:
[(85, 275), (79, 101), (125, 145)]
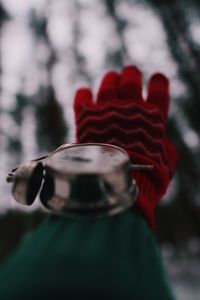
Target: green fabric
[(109, 258)]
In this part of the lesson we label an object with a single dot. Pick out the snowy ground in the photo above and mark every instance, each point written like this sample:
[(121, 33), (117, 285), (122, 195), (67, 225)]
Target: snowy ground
[(184, 274)]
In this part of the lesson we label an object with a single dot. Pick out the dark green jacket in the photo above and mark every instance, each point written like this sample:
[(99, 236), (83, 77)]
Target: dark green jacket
[(108, 258)]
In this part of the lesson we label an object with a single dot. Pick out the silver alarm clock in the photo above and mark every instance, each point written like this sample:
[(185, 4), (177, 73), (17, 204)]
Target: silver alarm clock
[(79, 180)]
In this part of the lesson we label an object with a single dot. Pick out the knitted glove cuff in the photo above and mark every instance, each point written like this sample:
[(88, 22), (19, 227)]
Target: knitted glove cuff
[(152, 186)]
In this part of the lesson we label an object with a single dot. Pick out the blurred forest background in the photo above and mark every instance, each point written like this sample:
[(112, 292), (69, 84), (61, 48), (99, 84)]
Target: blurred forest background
[(48, 49)]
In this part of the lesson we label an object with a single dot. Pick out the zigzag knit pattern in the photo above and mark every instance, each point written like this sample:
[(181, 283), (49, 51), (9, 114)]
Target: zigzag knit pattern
[(135, 125)]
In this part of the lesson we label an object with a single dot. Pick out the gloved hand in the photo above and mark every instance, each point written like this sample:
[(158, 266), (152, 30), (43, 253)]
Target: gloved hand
[(122, 117)]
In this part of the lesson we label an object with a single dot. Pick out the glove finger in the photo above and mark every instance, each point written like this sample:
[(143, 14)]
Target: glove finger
[(131, 84), (158, 93), (109, 87), (83, 96)]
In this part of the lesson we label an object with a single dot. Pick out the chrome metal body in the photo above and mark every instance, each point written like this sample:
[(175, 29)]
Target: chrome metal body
[(80, 180)]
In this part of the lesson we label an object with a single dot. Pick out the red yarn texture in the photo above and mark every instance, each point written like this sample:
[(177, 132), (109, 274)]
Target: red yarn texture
[(120, 116)]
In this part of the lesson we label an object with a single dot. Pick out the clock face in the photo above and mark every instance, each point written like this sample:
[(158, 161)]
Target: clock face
[(88, 158)]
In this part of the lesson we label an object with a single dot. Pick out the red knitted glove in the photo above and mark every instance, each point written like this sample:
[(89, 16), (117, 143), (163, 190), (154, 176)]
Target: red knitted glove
[(121, 117)]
